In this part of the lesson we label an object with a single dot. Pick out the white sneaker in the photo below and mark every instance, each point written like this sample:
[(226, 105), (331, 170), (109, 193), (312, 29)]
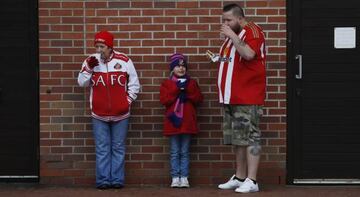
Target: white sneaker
[(184, 182), (247, 187), (175, 182), (231, 184)]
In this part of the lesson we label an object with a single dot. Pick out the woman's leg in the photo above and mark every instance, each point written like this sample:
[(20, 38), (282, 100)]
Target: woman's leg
[(101, 132), (118, 141)]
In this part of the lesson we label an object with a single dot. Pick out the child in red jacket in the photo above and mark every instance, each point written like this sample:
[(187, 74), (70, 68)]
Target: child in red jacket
[(179, 94)]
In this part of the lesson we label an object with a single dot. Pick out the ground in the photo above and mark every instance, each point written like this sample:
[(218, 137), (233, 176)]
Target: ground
[(37, 190)]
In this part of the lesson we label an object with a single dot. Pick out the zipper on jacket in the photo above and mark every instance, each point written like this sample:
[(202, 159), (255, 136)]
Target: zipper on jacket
[(107, 87)]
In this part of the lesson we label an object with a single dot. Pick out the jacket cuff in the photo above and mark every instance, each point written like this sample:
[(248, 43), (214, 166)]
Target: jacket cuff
[(88, 69), (129, 99)]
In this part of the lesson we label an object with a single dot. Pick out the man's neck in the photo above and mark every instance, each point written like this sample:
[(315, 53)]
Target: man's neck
[(243, 23)]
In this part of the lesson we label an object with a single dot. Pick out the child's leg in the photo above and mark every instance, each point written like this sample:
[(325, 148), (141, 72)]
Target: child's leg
[(175, 156), (184, 155)]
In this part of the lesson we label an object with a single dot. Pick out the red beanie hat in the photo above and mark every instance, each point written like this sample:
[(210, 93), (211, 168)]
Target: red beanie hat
[(104, 37)]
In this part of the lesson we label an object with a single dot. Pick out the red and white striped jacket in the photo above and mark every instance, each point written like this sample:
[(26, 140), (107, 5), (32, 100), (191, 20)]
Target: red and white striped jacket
[(114, 86), (240, 81)]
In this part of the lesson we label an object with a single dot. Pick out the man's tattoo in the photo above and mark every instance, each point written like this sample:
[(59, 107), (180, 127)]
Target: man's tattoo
[(255, 150)]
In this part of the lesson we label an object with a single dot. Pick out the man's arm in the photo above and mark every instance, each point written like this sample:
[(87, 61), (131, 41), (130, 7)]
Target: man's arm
[(242, 48)]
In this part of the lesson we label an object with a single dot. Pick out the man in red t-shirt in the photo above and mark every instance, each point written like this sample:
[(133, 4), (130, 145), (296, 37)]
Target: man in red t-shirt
[(241, 85)]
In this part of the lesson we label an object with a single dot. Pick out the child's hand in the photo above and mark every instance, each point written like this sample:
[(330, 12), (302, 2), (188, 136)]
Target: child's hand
[(181, 84)]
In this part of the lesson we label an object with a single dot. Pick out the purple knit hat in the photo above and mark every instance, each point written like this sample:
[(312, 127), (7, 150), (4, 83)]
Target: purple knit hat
[(177, 59)]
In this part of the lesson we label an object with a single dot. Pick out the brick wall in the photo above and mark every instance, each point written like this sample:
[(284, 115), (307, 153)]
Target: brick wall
[(149, 32)]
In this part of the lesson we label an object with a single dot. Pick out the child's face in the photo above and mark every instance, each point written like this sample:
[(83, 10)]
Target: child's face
[(179, 70)]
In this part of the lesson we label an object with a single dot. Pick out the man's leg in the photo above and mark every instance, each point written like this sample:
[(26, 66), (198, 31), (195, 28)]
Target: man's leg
[(252, 133), (240, 153), (253, 159)]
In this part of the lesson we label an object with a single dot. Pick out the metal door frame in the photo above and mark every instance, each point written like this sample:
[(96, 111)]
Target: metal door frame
[(34, 63), (293, 44)]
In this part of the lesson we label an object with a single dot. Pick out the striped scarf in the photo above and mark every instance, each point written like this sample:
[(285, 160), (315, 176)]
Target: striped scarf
[(176, 117)]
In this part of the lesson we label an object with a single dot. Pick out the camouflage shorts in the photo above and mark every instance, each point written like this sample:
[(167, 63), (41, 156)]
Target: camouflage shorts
[(241, 125)]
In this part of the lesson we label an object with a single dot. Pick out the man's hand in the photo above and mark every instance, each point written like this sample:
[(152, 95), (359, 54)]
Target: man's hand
[(227, 31), (92, 62), (213, 57)]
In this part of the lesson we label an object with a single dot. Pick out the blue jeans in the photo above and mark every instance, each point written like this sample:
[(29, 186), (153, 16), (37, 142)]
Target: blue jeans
[(179, 155), (110, 140)]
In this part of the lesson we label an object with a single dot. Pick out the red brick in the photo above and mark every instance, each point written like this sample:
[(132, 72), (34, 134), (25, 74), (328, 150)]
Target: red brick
[(50, 142), (267, 11), (208, 20), (152, 27), (110, 28), (130, 43), (153, 165), (119, 4), (199, 12), (175, 12), (72, 20), (198, 27), (140, 20), (94, 20), (209, 156), (278, 3), (112, 13), (163, 19), (72, 4), (160, 4), (130, 12), (164, 34), (175, 42), (95, 5), (142, 4), (187, 4), (186, 19), (152, 12), (51, 172), (277, 34), (60, 12), (141, 157), (141, 50), (140, 35), (256, 4), (277, 19), (43, 5), (152, 149), (186, 35)]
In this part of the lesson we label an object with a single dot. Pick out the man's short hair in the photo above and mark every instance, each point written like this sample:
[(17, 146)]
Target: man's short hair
[(235, 8)]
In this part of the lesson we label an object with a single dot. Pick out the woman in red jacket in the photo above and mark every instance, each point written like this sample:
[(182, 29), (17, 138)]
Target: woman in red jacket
[(179, 94)]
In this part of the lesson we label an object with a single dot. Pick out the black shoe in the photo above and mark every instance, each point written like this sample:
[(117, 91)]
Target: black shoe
[(117, 186), (103, 187)]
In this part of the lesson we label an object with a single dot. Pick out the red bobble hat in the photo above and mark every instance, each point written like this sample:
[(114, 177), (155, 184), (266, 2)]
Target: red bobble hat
[(104, 37)]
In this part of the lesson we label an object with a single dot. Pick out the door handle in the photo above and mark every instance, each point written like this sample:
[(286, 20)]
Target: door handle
[(299, 57)]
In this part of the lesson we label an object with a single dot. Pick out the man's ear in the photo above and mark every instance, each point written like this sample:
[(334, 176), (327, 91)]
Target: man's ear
[(241, 19)]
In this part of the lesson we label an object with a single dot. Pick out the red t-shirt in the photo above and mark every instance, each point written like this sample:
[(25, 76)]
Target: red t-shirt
[(241, 81)]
